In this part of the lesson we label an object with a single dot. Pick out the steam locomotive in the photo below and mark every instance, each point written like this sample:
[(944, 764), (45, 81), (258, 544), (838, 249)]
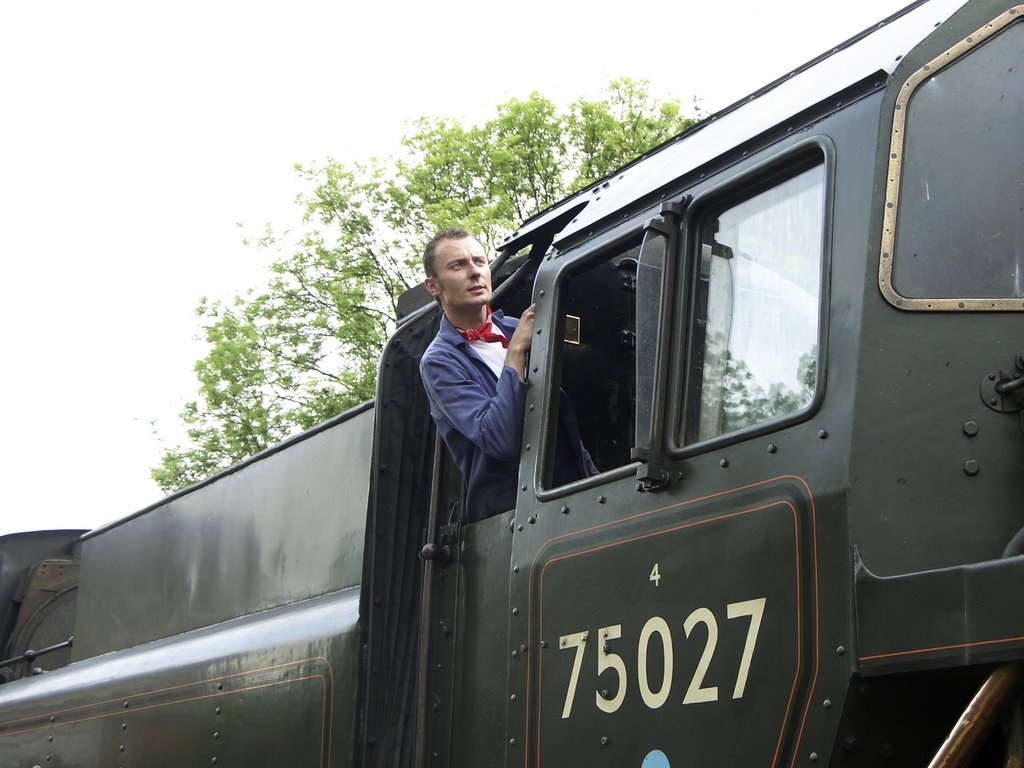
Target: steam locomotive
[(793, 337)]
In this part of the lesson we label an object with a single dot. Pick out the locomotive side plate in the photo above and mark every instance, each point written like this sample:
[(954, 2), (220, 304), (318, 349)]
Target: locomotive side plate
[(686, 624)]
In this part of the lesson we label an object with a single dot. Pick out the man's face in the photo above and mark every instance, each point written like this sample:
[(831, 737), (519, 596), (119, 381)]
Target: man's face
[(463, 280)]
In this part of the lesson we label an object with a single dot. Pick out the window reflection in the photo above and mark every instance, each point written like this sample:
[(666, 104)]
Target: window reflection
[(757, 308)]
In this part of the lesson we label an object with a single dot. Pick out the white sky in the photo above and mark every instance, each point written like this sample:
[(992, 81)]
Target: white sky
[(133, 137)]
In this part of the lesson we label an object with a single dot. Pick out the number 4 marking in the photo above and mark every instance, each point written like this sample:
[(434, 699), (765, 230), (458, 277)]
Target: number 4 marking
[(655, 576)]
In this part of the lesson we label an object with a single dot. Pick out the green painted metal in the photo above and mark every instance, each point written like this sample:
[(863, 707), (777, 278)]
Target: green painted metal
[(827, 583)]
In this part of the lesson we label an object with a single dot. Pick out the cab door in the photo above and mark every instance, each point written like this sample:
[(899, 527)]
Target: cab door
[(666, 612)]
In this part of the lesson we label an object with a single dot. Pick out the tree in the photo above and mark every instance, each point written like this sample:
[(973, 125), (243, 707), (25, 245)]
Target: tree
[(306, 347)]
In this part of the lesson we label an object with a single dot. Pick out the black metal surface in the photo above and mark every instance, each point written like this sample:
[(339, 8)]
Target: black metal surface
[(276, 688), (947, 617), (284, 527)]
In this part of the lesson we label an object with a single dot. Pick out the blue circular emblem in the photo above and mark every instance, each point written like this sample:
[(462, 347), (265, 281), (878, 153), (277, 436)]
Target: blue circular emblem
[(656, 759)]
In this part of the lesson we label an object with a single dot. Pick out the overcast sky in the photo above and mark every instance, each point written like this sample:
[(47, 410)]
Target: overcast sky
[(134, 137)]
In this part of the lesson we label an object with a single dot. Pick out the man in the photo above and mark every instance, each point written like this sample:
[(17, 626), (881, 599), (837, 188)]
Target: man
[(474, 372)]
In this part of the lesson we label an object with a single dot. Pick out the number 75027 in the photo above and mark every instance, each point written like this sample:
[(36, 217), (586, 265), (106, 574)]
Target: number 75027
[(656, 695)]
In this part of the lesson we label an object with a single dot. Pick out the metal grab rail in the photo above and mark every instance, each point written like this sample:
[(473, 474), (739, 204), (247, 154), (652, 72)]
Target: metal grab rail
[(31, 655)]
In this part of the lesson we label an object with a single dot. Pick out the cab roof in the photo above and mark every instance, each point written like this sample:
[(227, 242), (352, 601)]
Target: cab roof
[(877, 49)]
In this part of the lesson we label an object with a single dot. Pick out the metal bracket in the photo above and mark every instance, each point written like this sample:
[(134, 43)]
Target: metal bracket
[(1003, 391), (650, 478), (441, 552)]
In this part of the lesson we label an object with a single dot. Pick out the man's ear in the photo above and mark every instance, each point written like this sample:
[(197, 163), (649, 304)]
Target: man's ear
[(432, 287)]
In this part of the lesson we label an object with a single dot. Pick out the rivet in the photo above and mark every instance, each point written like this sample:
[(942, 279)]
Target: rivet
[(991, 377), (523, 648), (214, 760), (814, 757), (723, 463), (125, 705), (527, 447), (601, 499), (827, 703), (515, 654), (543, 643), (124, 727), (217, 710), (538, 331), (519, 527), (971, 467), (993, 401), (970, 428), (531, 406), (216, 735), (515, 569), (515, 611), (536, 368), (511, 742), (823, 434), (512, 697), (54, 719), (220, 686), (541, 292), (522, 487), (531, 519), (121, 748), (841, 650), (604, 740), (565, 510), (772, 448)]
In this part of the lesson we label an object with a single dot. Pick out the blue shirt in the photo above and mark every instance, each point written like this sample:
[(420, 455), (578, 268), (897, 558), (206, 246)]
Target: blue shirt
[(480, 419)]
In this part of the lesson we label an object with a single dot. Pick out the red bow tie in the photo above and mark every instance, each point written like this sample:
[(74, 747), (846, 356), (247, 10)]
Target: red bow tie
[(483, 333)]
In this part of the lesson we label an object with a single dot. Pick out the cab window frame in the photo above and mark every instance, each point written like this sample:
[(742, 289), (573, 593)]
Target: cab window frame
[(906, 144)]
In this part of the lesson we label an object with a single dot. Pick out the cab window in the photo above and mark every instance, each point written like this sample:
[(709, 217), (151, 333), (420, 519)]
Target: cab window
[(959, 188), (755, 304), (596, 364)]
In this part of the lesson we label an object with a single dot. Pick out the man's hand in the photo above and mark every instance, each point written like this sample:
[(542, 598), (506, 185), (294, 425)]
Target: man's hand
[(519, 344)]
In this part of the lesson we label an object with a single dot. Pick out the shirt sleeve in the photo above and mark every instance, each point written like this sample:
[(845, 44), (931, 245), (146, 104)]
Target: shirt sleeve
[(492, 423)]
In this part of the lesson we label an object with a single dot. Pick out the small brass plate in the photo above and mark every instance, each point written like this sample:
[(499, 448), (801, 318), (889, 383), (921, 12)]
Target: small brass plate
[(572, 330)]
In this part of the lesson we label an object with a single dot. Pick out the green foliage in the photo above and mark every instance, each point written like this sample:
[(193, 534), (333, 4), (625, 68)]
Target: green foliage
[(746, 403), (608, 133), (306, 347)]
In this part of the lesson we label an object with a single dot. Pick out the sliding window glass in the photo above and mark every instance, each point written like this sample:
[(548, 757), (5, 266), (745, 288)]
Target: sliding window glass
[(756, 308)]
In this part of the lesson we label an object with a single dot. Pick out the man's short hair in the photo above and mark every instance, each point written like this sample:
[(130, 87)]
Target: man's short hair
[(430, 252)]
